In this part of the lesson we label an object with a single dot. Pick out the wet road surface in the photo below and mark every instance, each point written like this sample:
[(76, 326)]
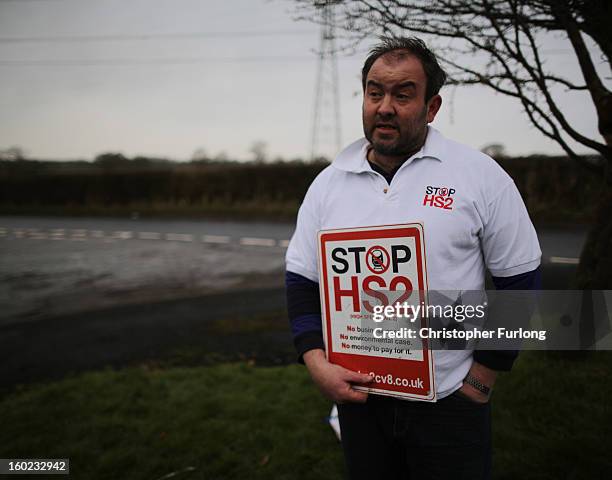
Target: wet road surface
[(79, 294)]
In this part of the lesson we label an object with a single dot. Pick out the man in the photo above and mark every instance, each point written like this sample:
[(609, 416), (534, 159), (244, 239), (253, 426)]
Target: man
[(382, 180)]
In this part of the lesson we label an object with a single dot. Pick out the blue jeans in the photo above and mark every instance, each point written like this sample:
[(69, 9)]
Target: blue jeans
[(391, 439)]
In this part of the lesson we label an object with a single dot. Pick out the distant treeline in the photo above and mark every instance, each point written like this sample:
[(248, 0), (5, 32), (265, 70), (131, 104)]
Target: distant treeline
[(118, 186), (555, 189)]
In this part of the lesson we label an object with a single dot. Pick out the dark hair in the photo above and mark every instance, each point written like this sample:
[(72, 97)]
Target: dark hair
[(413, 46)]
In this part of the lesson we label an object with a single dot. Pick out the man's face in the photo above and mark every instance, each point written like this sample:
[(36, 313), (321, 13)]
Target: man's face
[(395, 114)]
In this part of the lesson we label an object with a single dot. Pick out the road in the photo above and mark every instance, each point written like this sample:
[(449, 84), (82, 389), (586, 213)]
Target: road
[(84, 293), (53, 266)]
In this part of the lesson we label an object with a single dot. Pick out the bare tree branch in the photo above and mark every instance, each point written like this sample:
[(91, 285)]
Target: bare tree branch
[(498, 39), (538, 76)]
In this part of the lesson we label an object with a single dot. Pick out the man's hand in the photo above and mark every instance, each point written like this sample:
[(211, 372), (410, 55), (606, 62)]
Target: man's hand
[(334, 381), (484, 375)]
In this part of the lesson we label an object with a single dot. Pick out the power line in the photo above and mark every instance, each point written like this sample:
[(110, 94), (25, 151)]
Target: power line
[(181, 36), (83, 62), (150, 61), (153, 36)]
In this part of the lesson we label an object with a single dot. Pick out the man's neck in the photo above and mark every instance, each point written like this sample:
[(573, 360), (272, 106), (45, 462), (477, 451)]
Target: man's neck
[(386, 162)]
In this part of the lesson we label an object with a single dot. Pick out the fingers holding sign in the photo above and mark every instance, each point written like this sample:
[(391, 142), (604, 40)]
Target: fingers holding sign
[(334, 381)]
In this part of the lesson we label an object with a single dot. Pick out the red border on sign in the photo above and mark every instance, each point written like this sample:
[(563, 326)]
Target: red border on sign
[(398, 368)]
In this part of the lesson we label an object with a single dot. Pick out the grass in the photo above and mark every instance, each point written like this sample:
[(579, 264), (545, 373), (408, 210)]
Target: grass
[(227, 421), (552, 419)]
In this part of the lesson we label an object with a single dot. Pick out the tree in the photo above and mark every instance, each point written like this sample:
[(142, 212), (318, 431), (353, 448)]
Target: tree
[(259, 150), (497, 43), (200, 155), (111, 160), (12, 153), (221, 157), (494, 150)]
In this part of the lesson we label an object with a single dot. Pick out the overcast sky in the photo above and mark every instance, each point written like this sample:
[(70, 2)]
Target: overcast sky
[(250, 78)]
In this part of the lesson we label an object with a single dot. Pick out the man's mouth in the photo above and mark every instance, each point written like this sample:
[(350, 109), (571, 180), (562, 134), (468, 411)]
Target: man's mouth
[(385, 127)]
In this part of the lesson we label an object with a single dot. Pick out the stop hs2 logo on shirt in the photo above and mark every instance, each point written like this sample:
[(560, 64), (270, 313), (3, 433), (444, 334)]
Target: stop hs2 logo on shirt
[(439, 197)]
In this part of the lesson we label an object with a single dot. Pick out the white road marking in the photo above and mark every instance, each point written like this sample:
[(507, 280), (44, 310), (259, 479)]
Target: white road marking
[(215, 239), (149, 235), (84, 234), (179, 237), (122, 235), (39, 236), (57, 234), (259, 242), (565, 260), (79, 234)]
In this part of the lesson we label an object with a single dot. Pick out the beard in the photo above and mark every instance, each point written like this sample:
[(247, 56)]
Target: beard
[(406, 139)]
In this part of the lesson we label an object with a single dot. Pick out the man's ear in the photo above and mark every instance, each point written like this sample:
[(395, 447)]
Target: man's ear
[(432, 107)]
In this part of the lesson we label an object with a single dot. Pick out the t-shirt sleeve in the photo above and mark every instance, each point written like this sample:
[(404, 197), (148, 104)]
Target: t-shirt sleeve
[(301, 257), (509, 241)]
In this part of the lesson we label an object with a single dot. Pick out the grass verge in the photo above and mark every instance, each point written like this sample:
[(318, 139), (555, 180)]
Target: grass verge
[(552, 417)]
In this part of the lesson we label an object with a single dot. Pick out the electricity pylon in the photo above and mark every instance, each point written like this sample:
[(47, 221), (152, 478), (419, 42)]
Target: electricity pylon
[(326, 116)]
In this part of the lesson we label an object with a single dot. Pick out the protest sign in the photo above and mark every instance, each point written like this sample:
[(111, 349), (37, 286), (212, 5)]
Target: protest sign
[(363, 270)]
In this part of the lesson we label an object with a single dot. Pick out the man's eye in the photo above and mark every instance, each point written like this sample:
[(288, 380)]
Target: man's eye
[(375, 94), (402, 96)]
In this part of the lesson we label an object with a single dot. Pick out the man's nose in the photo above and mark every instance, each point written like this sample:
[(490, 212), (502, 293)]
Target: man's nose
[(386, 107)]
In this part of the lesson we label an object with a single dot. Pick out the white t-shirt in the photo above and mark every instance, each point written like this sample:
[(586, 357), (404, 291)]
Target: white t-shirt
[(472, 213)]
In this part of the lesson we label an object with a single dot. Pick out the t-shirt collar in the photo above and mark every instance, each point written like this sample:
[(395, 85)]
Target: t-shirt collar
[(354, 157)]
